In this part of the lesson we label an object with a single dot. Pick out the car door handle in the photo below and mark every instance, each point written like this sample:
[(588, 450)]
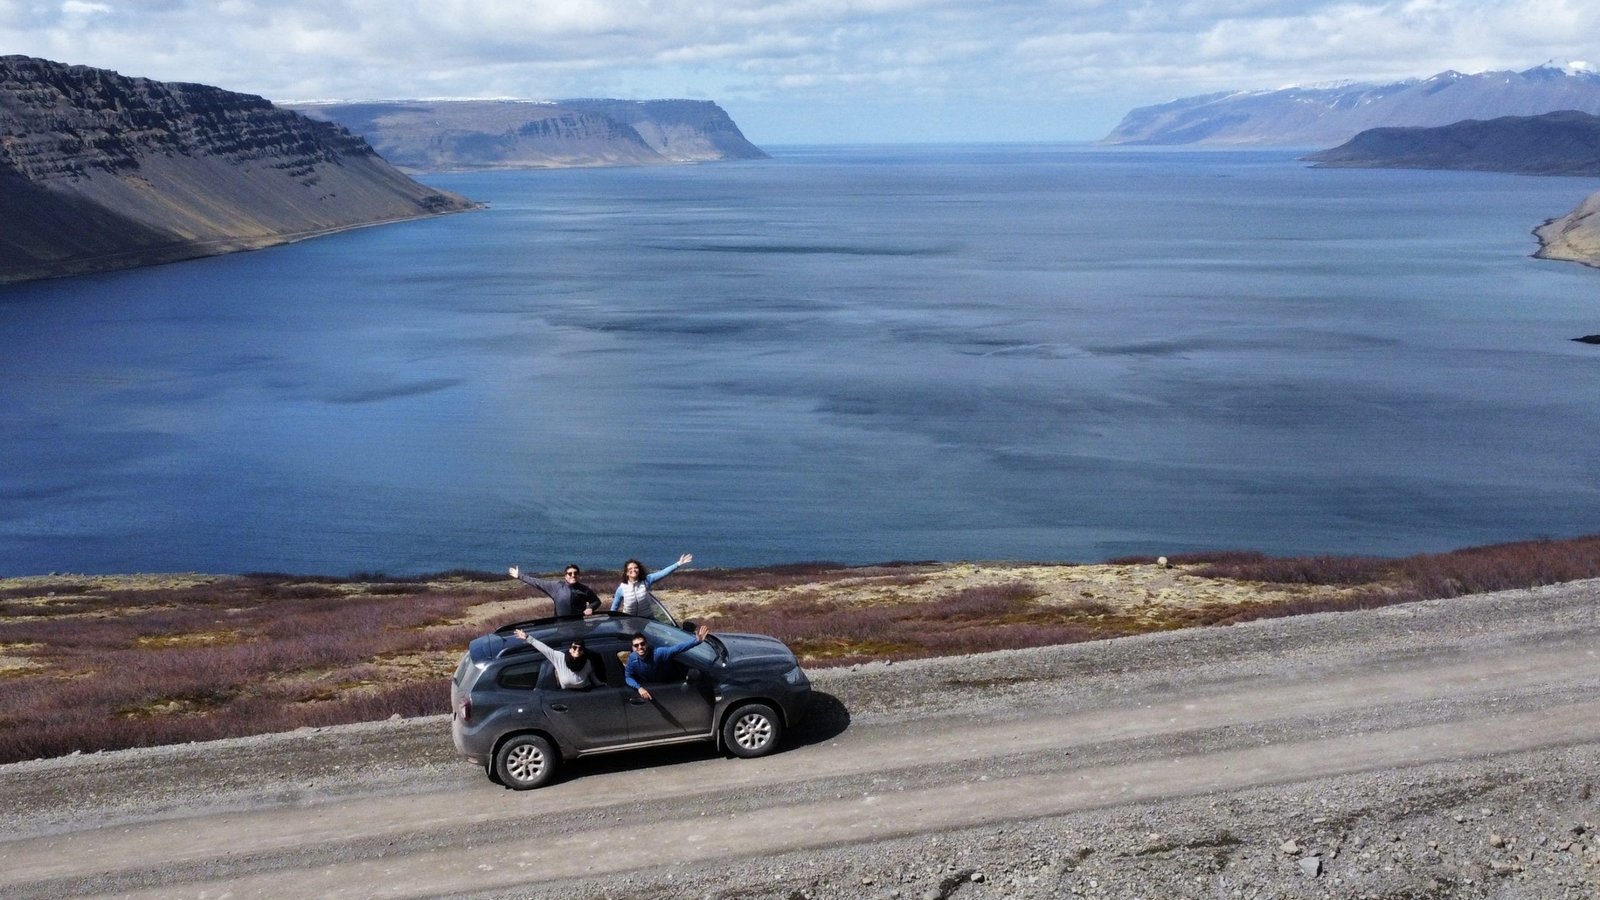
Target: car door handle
[(559, 707)]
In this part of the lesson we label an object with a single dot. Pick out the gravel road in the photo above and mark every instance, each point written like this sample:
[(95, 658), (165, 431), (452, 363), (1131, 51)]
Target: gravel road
[(1440, 749)]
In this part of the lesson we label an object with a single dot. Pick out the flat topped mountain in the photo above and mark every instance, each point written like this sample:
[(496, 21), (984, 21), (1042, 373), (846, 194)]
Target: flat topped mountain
[(1558, 143), (99, 171), (440, 135), (1325, 116)]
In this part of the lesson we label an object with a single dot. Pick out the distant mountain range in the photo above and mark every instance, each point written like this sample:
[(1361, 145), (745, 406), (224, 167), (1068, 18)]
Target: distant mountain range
[(1330, 115), (1558, 143), (440, 135), (99, 171)]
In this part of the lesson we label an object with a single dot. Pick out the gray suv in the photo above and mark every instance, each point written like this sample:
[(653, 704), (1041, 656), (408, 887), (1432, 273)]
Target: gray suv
[(738, 691)]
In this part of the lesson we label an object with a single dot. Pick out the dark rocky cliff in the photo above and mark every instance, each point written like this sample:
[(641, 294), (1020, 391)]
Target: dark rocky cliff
[(99, 171), (439, 135), (1558, 143)]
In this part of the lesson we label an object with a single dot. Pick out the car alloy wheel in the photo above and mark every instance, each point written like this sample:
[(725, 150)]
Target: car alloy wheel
[(752, 731), (525, 762)]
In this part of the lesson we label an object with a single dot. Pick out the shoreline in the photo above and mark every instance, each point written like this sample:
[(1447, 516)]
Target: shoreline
[(191, 250), (1574, 237)]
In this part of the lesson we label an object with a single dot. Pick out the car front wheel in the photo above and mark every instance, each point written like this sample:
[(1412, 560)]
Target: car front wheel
[(525, 762), (752, 731)]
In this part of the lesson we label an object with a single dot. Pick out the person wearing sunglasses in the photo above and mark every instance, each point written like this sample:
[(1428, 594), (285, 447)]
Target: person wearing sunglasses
[(655, 666), (575, 669), (570, 596)]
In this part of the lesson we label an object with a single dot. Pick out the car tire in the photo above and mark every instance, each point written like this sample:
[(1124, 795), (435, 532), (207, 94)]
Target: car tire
[(525, 762), (494, 776), (751, 731)]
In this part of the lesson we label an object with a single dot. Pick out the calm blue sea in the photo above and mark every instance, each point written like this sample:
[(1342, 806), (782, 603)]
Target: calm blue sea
[(847, 353)]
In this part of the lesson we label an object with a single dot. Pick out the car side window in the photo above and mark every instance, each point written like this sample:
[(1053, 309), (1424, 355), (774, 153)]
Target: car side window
[(523, 676), (606, 654)]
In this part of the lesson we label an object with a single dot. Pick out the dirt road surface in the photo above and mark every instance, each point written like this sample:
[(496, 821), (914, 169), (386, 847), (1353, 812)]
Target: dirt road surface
[(1440, 749)]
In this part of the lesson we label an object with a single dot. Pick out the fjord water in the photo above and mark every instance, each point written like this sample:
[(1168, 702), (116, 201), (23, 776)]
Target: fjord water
[(857, 354)]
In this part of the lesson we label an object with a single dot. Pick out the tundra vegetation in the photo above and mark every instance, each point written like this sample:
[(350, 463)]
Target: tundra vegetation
[(96, 663)]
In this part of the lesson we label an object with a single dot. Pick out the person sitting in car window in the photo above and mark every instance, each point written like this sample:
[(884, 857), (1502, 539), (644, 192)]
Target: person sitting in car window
[(655, 666), (575, 669)]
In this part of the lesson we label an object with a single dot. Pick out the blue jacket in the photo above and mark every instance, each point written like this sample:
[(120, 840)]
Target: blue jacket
[(658, 668)]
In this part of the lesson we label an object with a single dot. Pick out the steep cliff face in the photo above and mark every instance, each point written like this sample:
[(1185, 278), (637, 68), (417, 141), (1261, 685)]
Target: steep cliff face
[(100, 171), (1325, 116), (428, 135)]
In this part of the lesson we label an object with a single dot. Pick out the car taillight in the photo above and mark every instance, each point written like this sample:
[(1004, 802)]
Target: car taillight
[(464, 711)]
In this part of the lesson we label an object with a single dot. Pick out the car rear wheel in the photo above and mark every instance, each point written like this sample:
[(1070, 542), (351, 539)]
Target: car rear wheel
[(752, 731), (525, 762)]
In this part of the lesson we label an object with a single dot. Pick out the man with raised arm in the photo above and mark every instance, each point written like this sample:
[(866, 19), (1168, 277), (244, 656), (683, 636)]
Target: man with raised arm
[(655, 666), (570, 595)]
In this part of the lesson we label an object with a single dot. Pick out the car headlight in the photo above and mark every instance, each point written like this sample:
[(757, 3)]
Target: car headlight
[(795, 677)]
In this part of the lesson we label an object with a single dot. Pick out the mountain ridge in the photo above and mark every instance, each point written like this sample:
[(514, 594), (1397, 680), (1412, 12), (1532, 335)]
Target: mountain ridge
[(1566, 142), (451, 135), (1323, 116)]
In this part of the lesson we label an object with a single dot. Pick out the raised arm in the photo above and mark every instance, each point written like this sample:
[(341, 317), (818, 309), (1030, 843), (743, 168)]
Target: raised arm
[(545, 650), (666, 653), (683, 560), (546, 586)]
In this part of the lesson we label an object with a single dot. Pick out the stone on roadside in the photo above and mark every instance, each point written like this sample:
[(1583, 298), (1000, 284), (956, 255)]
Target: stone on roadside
[(1290, 846), (1311, 866)]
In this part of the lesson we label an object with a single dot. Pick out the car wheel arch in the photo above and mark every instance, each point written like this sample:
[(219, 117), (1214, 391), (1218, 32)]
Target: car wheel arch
[(561, 751)]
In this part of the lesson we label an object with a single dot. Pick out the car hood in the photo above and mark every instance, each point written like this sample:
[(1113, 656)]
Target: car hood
[(755, 649)]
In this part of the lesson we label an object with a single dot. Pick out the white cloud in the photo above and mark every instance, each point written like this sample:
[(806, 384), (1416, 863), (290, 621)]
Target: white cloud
[(794, 61)]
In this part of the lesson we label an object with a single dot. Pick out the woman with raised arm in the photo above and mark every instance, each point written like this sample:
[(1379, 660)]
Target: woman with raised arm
[(575, 669), (633, 595)]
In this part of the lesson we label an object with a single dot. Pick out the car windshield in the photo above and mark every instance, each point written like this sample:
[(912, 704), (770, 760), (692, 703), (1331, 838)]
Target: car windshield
[(663, 636)]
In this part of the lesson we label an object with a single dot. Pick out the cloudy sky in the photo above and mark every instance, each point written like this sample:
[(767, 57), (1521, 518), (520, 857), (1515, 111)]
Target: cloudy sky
[(800, 71)]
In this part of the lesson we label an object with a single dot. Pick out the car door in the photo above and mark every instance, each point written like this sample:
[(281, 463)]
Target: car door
[(673, 710), (586, 720)]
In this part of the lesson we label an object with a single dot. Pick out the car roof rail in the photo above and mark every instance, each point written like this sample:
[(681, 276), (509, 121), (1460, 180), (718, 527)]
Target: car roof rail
[(555, 620)]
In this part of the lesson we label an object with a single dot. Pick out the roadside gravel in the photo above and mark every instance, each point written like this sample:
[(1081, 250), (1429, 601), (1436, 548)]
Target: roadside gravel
[(1478, 820)]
